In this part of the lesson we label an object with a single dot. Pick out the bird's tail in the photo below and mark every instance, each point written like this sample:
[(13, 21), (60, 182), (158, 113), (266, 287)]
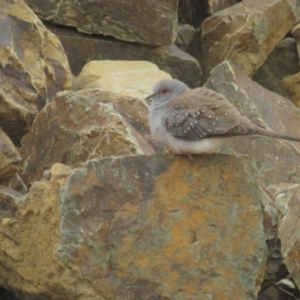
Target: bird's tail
[(276, 135)]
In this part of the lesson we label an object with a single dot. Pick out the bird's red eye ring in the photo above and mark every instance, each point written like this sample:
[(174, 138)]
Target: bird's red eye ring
[(164, 91)]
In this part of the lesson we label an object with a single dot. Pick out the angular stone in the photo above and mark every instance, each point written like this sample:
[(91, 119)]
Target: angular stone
[(281, 63), (141, 21), (9, 157), (292, 86), (216, 5), (244, 34), (258, 104), (184, 36), (277, 162), (126, 78), (138, 227), (285, 198), (73, 129), (295, 4), (16, 183), (33, 67), (82, 48)]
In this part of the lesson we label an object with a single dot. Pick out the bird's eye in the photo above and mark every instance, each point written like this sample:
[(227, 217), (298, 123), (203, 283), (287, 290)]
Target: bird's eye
[(164, 91)]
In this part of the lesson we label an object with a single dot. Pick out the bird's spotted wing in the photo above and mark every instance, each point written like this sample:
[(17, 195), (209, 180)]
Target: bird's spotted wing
[(201, 113)]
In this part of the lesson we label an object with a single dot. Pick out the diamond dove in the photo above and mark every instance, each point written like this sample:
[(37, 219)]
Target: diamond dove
[(198, 120)]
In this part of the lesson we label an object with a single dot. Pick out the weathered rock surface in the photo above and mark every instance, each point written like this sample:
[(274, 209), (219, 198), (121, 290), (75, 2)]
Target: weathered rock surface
[(244, 34), (113, 223), (216, 5), (257, 103), (33, 67), (281, 63), (9, 157), (292, 83), (184, 36), (141, 21), (277, 163), (285, 198), (138, 227), (81, 128), (128, 78), (82, 48)]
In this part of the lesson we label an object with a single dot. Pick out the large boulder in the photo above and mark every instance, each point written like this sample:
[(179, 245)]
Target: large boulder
[(33, 68)]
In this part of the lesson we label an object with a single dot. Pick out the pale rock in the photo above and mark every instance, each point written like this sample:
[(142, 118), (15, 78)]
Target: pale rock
[(125, 78)]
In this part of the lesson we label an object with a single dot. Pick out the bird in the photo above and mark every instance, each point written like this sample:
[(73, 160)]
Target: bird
[(194, 121)]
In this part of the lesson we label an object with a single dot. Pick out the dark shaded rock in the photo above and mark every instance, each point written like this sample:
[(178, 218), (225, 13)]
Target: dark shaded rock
[(81, 49), (281, 63), (141, 21)]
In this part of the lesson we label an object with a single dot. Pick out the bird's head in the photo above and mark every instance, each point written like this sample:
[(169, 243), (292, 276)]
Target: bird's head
[(167, 89)]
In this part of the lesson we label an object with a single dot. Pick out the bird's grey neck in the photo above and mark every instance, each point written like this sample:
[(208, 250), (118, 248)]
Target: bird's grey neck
[(158, 105)]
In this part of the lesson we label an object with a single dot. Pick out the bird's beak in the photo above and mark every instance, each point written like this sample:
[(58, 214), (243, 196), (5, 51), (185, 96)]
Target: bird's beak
[(149, 97)]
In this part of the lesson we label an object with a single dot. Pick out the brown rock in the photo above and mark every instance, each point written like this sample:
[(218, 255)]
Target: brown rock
[(9, 200), (75, 128), (277, 162), (295, 4), (244, 34), (184, 36), (257, 103), (138, 227), (141, 21), (292, 86), (285, 199), (9, 157), (292, 83), (216, 5), (82, 48), (282, 62), (33, 68), (16, 183)]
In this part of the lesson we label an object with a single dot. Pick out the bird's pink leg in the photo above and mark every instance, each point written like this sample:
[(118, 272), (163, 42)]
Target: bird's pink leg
[(182, 153)]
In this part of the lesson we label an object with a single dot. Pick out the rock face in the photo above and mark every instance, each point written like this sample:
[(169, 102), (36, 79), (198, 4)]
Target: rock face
[(168, 229), (33, 67), (152, 23), (277, 167), (81, 128), (245, 34), (92, 207)]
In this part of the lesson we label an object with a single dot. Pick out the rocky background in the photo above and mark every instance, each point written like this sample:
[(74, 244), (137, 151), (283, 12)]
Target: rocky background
[(91, 206)]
